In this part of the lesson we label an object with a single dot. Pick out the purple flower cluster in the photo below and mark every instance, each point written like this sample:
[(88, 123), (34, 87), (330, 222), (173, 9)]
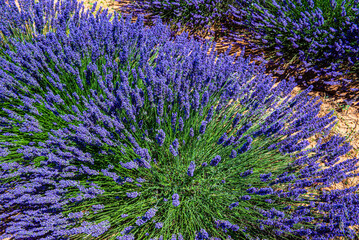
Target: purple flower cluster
[(148, 216), (175, 200), (233, 205), (226, 225), (320, 38), (173, 151), (191, 169), (202, 235), (323, 35), (160, 137), (197, 15), (116, 91), (246, 173), (174, 237), (132, 194), (214, 162), (203, 127)]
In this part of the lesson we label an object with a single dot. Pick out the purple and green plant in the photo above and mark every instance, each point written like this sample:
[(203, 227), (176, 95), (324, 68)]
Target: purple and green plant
[(110, 130), (198, 16), (321, 36), (316, 36)]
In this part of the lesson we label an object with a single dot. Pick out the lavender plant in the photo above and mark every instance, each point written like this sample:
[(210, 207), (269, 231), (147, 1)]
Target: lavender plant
[(32, 18), (320, 35), (113, 131), (197, 16)]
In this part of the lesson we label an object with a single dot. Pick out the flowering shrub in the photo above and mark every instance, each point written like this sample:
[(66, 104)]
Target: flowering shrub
[(114, 131), (321, 35), (197, 16), (314, 36)]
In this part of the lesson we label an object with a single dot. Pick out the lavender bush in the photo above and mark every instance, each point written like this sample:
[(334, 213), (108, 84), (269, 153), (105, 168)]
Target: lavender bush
[(320, 35), (113, 131), (316, 36), (198, 16)]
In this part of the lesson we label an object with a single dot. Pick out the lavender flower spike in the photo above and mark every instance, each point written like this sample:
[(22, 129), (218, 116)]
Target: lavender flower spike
[(214, 162), (160, 137), (191, 168), (175, 200)]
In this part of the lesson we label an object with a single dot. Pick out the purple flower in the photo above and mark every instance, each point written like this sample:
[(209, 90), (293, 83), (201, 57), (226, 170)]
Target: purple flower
[(264, 191), (214, 162), (235, 228), (251, 190), (127, 230), (202, 128), (173, 120), (98, 207), (160, 137), (175, 144), (173, 151), (128, 179), (205, 98), (159, 225), (236, 120), (191, 132), (132, 194), (233, 205), (191, 168), (225, 225), (148, 215), (180, 124), (233, 154), (246, 197), (246, 173), (222, 139), (126, 237), (202, 234), (140, 180), (4, 152), (265, 177), (175, 200), (246, 146)]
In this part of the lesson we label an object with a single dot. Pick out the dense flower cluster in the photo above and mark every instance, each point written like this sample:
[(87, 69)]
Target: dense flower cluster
[(198, 16), (320, 35), (107, 129), (316, 36)]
